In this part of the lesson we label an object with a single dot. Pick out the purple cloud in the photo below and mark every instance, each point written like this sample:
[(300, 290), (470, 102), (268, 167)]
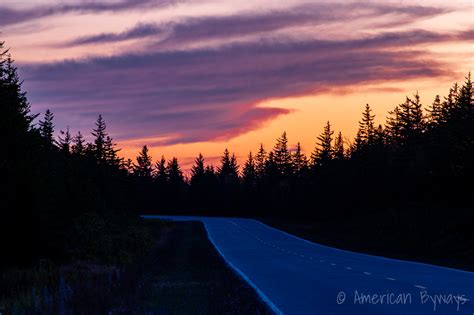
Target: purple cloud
[(225, 27), (10, 15), (209, 94)]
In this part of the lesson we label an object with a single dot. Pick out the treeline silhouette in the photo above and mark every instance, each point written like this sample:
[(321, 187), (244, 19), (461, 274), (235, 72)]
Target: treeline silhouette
[(65, 198)]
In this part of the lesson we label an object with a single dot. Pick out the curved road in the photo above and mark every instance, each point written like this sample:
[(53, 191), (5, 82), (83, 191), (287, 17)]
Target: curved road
[(295, 276)]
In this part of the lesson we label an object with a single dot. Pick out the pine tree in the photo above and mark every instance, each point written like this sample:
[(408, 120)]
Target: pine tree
[(271, 169), (282, 155), (174, 173), (229, 170), (16, 119), (198, 170), (65, 141), (47, 129), (260, 159), (323, 152), (299, 160), (435, 113), (249, 173), (143, 168), (103, 146), (339, 147), (78, 147), (100, 139), (161, 175), (366, 126), (464, 101)]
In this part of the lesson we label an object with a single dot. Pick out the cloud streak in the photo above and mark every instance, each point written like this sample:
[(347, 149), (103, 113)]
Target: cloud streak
[(212, 94), (10, 15), (240, 25)]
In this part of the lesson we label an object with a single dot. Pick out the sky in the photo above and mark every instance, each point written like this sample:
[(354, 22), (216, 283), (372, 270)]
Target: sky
[(187, 77)]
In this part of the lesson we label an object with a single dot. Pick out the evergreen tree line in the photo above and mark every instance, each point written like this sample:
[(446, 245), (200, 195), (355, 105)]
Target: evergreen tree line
[(62, 198), (63, 193), (419, 157)]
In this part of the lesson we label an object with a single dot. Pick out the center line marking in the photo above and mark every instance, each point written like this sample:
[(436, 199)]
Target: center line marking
[(367, 273), (333, 264), (391, 279), (420, 287), (348, 268)]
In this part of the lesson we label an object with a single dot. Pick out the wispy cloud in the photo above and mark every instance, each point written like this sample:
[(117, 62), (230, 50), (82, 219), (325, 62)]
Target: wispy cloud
[(9, 15), (213, 94)]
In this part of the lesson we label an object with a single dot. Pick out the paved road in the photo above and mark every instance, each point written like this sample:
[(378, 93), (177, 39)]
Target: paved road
[(295, 276)]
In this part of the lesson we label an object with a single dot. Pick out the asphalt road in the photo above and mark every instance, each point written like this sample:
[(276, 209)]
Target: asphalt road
[(295, 276)]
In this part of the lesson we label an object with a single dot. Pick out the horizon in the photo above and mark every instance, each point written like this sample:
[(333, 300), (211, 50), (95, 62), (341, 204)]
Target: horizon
[(187, 77)]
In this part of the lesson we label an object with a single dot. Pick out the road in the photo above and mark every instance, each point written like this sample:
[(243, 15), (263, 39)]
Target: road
[(295, 276)]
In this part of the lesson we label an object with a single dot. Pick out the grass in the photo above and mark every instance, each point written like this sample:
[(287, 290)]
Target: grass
[(181, 274)]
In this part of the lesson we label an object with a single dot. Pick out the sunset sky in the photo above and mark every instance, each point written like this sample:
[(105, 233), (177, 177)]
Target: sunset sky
[(186, 77)]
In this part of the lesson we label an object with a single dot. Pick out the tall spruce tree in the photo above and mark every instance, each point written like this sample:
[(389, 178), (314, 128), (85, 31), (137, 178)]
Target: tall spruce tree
[(366, 126), (78, 141), (299, 160), (282, 155), (339, 147), (249, 173), (65, 141), (260, 160), (174, 172), (198, 170), (161, 176), (228, 171), (143, 168), (323, 152), (47, 129)]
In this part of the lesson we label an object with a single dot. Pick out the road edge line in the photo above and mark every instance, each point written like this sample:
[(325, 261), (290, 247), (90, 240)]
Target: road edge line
[(261, 295)]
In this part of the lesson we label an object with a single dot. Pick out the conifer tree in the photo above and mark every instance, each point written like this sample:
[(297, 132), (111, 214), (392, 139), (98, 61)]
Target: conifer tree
[(249, 173), (260, 160), (435, 113), (78, 147), (47, 129), (366, 126), (99, 146), (198, 170), (323, 152), (174, 173), (228, 170), (16, 119), (282, 155), (143, 168), (299, 160), (65, 141), (339, 147), (161, 175)]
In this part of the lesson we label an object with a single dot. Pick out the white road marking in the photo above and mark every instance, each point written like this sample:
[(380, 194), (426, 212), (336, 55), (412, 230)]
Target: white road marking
[(367, 273), (348, 268), (420, 287), (333, 264), (391, 279)]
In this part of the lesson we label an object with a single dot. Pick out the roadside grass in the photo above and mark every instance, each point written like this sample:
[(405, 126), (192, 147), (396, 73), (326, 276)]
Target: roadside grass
[(182, 273)]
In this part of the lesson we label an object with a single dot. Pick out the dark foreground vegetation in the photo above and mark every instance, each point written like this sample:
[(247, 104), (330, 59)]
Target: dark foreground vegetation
[(181, 274)]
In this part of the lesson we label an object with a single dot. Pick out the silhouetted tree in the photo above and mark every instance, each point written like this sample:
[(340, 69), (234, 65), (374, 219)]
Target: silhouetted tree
[(299, 160), (249, 173), (228, 171), (174, 173), (339, 147), (282, 156), (260, 160), (198, 170), (78, 147), (366, 126), (143, 168), (65, 140), (323, 152), (47, 129)]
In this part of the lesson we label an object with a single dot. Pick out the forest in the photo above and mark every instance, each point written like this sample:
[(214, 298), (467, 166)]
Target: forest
[(65, 198)]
